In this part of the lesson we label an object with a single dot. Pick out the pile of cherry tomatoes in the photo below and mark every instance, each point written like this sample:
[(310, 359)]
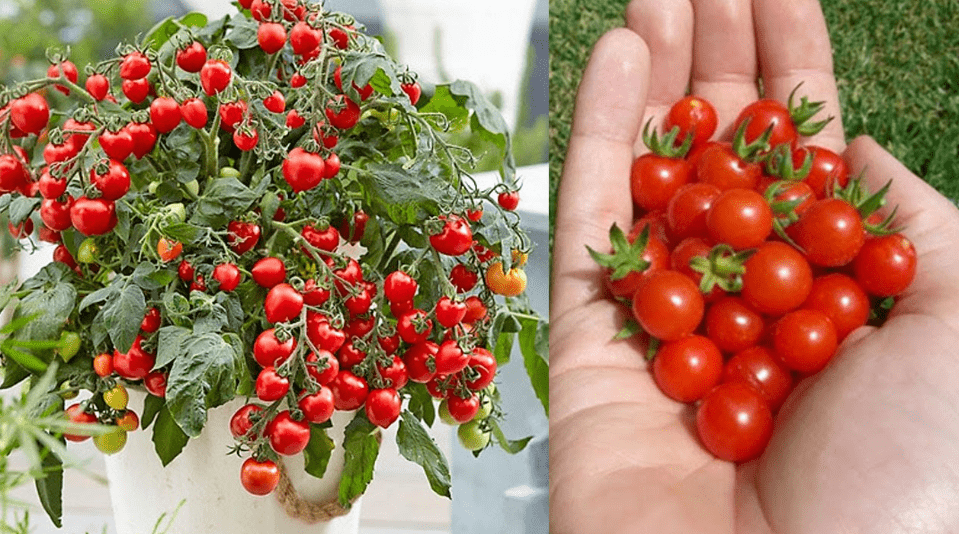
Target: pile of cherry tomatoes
[(749, 262)]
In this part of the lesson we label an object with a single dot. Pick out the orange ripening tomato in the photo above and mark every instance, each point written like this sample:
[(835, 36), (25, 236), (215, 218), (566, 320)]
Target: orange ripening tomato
[(508, 284), (168, 249)]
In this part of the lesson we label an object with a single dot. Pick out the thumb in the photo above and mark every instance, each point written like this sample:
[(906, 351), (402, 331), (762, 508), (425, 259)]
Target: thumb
[(928, 219)]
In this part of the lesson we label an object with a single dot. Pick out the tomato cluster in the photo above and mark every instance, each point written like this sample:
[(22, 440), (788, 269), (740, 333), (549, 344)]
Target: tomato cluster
[(749, 262)]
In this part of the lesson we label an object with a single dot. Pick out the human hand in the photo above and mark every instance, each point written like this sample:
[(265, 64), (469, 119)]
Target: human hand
[(867, 445)]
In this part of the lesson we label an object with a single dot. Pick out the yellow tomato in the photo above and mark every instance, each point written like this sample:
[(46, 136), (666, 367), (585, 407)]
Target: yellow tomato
[(502, 283)]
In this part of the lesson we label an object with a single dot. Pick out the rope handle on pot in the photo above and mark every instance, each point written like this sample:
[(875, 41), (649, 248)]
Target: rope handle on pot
[(309, 512)]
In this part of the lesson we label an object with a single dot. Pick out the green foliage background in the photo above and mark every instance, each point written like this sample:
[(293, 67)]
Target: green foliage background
[(897, 66)]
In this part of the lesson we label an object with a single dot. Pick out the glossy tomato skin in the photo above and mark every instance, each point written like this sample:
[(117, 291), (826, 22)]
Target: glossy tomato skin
[(787, 191), (686, 369), (720, 166), (259, 478), (319, 358), (455, 238), (692, 114), (318, 407), (287, 435), (740, 218), (228, 275), (758, 368), (349, 391), (243, 236), (240, 423), (270, 386), (383, 407), (828, 170), (656, 254), (830, 232), (283, 303), (734, 422), (733, 325), (668, 305), (658, 224), (842, 300), (764, 113), (482, 361), (93, 216), (655, 179), (268, 272), (136, 363), (777, 279), (885, 266), (269, 351), (417, 359), (804, 340), (686, 212)]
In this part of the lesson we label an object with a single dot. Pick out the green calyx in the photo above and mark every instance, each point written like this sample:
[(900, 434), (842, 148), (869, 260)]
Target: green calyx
[(723, 267), (805, 111), (779, 163), (751, 152), (666, 146), (626, 257), (866, 203)]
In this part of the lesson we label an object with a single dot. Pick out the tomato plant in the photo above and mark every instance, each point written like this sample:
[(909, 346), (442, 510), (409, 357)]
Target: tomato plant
[(251, 187)]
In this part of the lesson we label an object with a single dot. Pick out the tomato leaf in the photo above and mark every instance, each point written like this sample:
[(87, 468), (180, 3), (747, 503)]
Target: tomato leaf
[(503, 347), (151, 407), (202, 377), (534, 344), (417, 446), (223, 198), (406, 197), (122, 315), (168, 438), (160, 33), (242, 33), (421, 403), (21, 208), (508, 445), (487, 122), (318, 451), (361, 448), (50, 486), (170, 343), (52, 306)]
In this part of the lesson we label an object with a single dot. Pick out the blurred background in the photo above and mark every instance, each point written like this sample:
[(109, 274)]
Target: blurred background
[(502, 45)]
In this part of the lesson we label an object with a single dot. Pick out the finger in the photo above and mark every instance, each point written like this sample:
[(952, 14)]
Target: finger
[(724, 58), (667, 28), (929, 220), (794, 48), (594, 192)]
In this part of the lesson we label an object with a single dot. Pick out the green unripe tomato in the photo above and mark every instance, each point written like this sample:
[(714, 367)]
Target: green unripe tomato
[(444, 413), (69, 345), (87, 253), (229, 172), (112, 442), (486, 408), (117, 398), (176, 211), (192, 187), (152, 188), (472, 437)]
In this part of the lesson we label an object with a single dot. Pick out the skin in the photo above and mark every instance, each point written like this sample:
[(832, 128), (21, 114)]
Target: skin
[(870, 444)]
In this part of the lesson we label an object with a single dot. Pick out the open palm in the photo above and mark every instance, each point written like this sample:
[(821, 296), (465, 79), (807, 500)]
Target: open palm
[(870, 444)]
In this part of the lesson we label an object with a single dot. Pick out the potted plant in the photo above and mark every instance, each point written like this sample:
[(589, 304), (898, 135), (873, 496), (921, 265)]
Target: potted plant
[(265, 246)]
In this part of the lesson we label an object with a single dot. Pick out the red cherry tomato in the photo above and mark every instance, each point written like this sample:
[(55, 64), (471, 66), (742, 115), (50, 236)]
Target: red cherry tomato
[(668, 305), (777, 279), (758, 368), (287, 435), (720, 166), (692, 114), (733, 325), (655, 179), (734, 422), (383, 407), (259, 478), (740, 218), (804, 340), (686, 212), (766, 113), (830, 232), (240, 423), (885, 266), (842, 300), (686, 369)]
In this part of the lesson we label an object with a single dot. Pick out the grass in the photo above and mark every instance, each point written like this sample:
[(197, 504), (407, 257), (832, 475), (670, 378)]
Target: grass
[(896, 63)]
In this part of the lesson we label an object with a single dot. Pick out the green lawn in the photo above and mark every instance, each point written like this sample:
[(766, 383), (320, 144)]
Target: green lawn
[(896, 61)]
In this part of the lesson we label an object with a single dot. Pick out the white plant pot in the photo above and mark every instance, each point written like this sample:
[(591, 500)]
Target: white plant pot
[(208, 480), (485, 41)]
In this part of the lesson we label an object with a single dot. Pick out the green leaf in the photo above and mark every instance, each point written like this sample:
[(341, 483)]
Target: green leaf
[(24, 359), (417, 446), (50, 487), (223, 198), (361, 448), (21, 207), (160, 33), (421, 403), (318, 451), (52, 307), (510, 446), (487, 121), (170, 344), (534, 344), (503, 347), (202, 377), (186, 233), (444, 102), (123, 314), (97, 296), (242, 34), (168, 438), (408, 198), (151, 407)]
